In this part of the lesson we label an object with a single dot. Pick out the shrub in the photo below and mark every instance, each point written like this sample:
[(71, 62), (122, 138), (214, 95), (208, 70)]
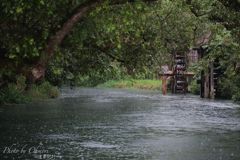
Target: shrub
[(195, 88), (228, 89), (14, 93)]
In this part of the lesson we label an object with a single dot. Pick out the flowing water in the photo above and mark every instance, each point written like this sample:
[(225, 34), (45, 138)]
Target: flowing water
[(90, 123)]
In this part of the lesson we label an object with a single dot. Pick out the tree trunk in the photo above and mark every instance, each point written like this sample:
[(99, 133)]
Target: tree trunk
[(28, 87), (37, 71)]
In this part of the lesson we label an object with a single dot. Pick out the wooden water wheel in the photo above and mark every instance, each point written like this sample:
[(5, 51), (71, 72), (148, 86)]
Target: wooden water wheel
[(179, 81)]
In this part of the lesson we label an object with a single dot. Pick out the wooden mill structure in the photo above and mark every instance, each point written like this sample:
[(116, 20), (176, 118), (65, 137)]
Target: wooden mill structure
[(179, 81), (208, 81), (177, 73), (179, 76)]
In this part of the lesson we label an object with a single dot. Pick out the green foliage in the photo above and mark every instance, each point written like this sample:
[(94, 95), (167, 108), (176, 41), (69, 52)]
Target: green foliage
[(236, 96), (67, 69), (136, 37), (133, 83), (169, 85), (229, 89), (14, 93), (10, 95), (26, 26), (114, 84), (92, 81), (45, 91), (195, 88), (222, 19), (139, 36)]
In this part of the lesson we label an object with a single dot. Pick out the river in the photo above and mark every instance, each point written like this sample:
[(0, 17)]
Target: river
[(92, 123)]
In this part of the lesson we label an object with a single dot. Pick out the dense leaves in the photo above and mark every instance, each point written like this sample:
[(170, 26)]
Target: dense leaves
[(103, 37), (224, 19), (138, 36), (31, 32)]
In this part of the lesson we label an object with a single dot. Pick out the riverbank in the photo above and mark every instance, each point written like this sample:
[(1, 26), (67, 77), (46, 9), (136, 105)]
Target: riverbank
[(133, 84), (14, 93)]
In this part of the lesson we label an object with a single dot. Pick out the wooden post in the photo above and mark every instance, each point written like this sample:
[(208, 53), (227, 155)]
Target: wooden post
[(212, 82), (206, 87), (164, 84), (202, 84)]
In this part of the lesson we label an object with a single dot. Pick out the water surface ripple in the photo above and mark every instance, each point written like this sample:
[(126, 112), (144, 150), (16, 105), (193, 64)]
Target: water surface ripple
[(90, 123)]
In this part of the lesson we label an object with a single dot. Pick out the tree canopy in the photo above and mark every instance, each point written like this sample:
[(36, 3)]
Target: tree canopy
[(31, 32), (69, 37), (224, 18)]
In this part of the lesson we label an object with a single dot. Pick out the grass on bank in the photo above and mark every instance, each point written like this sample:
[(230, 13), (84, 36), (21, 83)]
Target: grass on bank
[(14, 93), (131, 84)]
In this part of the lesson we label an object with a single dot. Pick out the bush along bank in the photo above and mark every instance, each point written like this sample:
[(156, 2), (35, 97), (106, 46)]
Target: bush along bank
[(195, 88), (14, 93), (133, 84), (229, 88)]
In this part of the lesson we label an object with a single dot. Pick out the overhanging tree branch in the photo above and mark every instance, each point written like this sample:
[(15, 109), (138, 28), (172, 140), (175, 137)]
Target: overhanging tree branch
[(104, 51)]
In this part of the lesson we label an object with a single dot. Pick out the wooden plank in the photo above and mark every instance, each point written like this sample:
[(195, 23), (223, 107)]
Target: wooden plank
[(180, 62), (170, 73), (180, 87), (181, 82), (179, 57), (181, 68)]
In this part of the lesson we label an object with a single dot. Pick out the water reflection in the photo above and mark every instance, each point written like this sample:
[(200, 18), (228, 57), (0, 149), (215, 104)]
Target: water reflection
[(122, 124)]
